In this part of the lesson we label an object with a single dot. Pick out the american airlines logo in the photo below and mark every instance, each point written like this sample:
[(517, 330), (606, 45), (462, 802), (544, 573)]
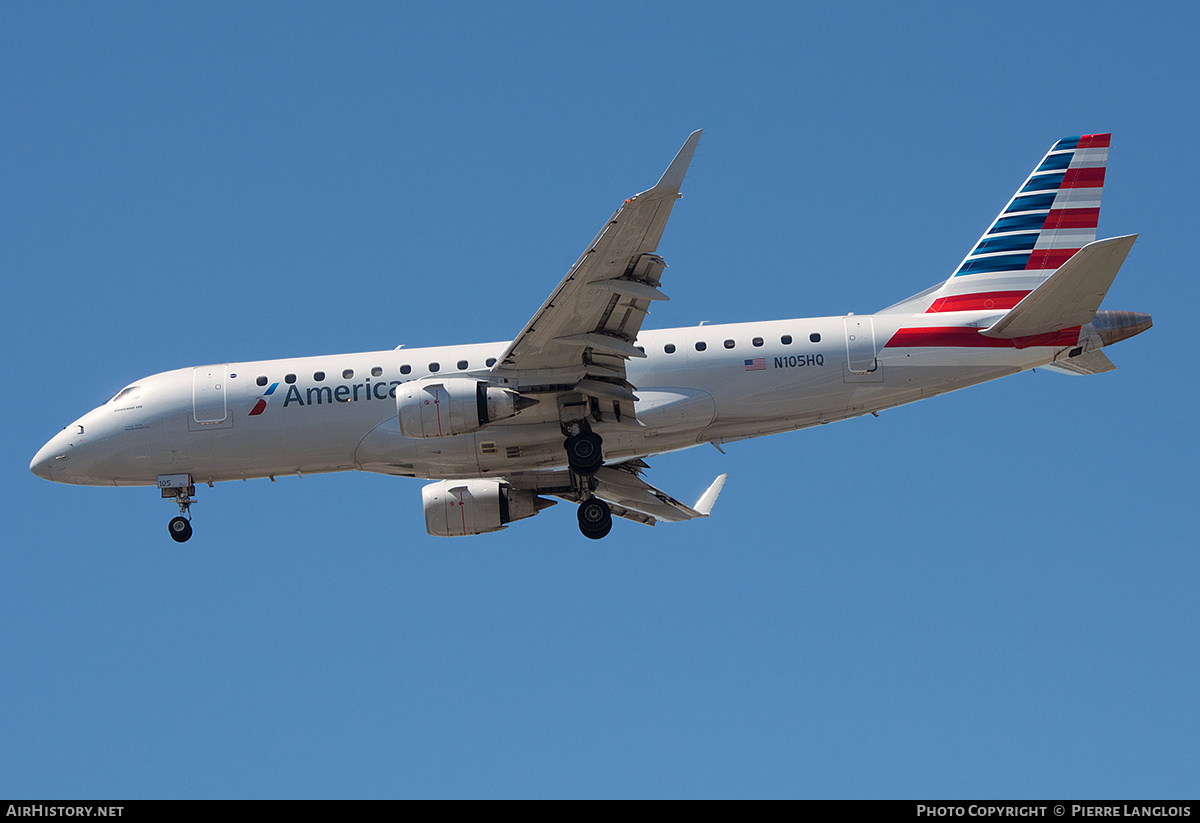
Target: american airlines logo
[(261, 405)]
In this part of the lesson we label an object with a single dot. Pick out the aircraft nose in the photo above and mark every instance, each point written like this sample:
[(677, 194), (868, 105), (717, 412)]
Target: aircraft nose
[(53, 460), (43, 463)]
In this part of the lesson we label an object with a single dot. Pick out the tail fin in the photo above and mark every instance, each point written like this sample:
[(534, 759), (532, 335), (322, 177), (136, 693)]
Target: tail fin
[(1053, 215)]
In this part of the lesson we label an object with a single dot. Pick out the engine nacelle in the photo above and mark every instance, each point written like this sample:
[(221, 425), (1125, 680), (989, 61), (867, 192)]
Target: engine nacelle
[(455, 508), (441, 407)]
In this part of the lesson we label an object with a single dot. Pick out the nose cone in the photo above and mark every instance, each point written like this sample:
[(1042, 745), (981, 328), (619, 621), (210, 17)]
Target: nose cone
[(53, 455)]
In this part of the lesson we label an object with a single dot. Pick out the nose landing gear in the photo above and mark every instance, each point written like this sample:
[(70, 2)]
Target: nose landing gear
[(180, 528), (179, 487)]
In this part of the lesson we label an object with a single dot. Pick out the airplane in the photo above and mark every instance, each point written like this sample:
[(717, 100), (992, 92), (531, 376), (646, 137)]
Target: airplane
[(572, 407)]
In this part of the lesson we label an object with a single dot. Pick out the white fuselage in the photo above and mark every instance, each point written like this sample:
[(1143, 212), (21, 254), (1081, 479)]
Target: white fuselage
[(218, 422)]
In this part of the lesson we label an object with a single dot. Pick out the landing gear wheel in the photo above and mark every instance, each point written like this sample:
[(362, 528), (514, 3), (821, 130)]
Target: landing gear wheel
[(180, 529), (584, 455), (595, 518)]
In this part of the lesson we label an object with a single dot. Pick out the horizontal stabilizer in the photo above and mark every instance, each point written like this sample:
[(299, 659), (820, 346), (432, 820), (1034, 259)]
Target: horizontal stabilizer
[(1069, 297), (1091, 363)]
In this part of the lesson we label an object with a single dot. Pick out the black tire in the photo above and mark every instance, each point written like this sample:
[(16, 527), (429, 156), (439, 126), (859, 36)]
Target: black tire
[(595, 518), (584, 453), (180, 529), (599, 533)]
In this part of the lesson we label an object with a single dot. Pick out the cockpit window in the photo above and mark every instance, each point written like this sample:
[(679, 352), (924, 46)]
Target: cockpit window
[(124, 392)]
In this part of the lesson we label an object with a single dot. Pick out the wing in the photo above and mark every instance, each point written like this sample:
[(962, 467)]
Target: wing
[(582, 336), (623, 488)]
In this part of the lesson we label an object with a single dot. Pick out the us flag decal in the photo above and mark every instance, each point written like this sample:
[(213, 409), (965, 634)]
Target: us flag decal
[(757, 364)]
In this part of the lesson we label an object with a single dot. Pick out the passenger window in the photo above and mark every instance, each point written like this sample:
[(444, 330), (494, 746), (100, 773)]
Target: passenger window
[(262, 381), (376, 371), (462, 364), (814, 337), (786, 340), (729, 344), (318, 376), (405, 369), (347, 374), (669, 348), (289, 378), (491, 361), (435, 367), (701, 345), (758, 341)]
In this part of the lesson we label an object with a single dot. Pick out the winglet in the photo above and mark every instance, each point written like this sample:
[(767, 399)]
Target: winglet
[(672, 178), (705, 503)]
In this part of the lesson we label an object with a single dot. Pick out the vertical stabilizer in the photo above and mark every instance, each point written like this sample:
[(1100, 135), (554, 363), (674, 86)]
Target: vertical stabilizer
[(1053, 215)]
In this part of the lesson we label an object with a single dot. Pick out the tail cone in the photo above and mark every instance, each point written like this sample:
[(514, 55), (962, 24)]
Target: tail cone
[(1115, 326)]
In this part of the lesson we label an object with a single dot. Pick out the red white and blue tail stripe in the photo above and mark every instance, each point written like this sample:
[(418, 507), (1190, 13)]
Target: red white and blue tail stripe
[(1052, 216)]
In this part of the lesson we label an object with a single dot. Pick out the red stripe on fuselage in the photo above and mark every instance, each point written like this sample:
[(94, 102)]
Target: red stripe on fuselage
[(969, 338), (942, 336), (977, 302), (259, 407)]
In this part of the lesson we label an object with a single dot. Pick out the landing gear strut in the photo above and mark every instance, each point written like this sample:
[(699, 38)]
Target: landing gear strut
[(595, 518), (179, 487), (584, 454)]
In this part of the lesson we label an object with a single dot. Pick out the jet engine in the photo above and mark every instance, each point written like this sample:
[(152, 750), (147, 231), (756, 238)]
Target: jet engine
[(454, 508), (434, 407)]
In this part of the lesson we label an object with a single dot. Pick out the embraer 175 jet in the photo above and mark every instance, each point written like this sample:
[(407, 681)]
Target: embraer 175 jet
[(573, 404)]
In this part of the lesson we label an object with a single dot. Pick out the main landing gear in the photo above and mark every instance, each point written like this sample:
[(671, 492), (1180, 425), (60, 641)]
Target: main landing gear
[(595, 518), (179, 487), (585, 455)]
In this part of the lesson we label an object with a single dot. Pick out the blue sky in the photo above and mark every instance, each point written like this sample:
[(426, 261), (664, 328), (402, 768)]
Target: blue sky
[(989, 594)]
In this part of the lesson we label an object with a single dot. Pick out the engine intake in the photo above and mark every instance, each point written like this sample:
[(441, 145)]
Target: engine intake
[(448, 406), (456, 508)]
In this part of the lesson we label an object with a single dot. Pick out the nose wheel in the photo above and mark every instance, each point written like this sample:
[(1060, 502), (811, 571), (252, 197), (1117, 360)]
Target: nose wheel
[(178, 487), (180, 528)]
